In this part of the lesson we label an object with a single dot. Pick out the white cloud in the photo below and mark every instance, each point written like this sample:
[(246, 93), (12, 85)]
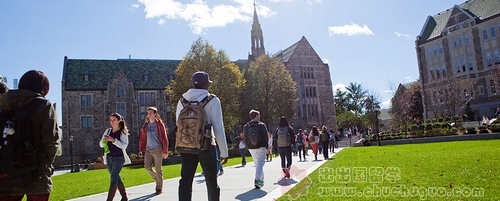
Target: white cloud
[(340, 86), (402, 35), (200, 16), (408, 79), (315, 1), (350, 30), (135, 5), (276, 1), (324, 60)]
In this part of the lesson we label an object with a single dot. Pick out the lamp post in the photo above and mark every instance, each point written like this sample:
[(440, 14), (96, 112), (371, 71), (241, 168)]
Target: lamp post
[(376, 126), (71, 150)]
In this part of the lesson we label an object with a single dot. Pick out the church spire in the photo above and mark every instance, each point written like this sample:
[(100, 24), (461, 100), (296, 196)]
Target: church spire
[(256, 36)]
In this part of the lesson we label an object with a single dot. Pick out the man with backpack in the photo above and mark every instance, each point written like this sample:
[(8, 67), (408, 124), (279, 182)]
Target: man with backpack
[(40, 130), (256, 139), (325, 140), (301, 144), (285, 139), (211, 130)]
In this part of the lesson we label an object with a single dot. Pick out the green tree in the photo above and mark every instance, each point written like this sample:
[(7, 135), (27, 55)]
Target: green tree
[(269, 89), (225, 75), (356, 96), (341, 102)]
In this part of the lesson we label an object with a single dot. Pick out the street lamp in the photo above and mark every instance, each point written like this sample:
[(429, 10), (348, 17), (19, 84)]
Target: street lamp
[(376, 125), (71, 151)]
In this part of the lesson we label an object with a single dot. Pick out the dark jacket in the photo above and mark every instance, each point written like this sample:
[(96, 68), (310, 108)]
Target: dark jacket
[(264, 138), (46, 138)]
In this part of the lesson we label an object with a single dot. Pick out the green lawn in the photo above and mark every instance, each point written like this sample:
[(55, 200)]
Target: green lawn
[(79, 184), (464, 170)]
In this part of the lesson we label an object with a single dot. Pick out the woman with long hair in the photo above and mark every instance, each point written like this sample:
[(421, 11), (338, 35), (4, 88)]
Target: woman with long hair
[(314, 141), (115, 141)]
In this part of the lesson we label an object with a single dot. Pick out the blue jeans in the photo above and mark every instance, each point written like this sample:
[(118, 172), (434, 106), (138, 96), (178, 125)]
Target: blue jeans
[(286, 152), (115, 165), (208, 162), (243, 153)]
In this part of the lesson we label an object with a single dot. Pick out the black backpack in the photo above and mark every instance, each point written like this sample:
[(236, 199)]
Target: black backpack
[(253, 135), (18, 153), (300, 140)]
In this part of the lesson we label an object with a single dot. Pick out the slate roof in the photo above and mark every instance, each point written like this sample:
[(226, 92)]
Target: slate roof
[(479, 9), (102, 71), (287, 53)]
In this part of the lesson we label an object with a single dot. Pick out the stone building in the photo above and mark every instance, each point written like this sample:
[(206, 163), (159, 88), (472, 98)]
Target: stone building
[(93, 89), (461, 43), (315, 105)]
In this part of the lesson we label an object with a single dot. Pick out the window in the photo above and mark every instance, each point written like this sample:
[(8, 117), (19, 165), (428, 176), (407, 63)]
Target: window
[(454, 42), (485, 34), (493, 89), (440, 48), (86, 100), (121, 109), (146, 77), (435, 51), (469, 60), (492, 31), (120, 89), (432, 74), (458, 66), (142, 116), (463, 64), (443, 68), (86, 77), (481, 90), (460, 41), (496, 56), (466, 37), (429, 52), (147, 99), (488, 58), (86, 122), (438, 74)]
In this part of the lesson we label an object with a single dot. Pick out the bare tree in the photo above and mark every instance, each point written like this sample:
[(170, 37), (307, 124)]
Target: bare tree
[(450, 96)]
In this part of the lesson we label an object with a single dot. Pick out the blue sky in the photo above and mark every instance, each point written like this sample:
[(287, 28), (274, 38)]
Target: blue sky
[(364, 41)]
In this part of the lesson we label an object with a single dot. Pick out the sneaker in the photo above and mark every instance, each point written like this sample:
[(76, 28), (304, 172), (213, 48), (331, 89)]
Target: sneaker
[(258, 184), (158, 192), (220, 173)]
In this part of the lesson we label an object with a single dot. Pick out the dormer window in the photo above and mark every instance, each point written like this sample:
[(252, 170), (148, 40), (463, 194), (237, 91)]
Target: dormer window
[(145, 76), (86, 76)]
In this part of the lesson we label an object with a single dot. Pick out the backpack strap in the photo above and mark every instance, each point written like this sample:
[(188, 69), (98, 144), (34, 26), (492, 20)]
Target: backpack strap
[(202, 103)]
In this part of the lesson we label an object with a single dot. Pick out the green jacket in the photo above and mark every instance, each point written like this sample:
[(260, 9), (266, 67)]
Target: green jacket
[(46, 138)]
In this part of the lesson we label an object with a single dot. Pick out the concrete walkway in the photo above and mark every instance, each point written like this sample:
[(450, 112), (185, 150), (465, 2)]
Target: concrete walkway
[(236, 183)]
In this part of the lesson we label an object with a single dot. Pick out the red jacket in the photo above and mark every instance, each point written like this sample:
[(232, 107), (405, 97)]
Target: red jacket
[(162, 136)]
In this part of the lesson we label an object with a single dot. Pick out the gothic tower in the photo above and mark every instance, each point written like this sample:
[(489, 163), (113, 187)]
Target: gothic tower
[(257, 38)]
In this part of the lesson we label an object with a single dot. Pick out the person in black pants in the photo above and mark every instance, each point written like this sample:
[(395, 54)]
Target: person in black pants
[(325, 140), (301, 141)]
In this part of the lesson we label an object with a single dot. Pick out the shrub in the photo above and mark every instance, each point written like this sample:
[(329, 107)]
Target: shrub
[(494, 128), (99, 159), (453, 131), (471, 130), (133, 156), (461, 129), (436, 125), (447, 118), (482, 129), (428, 127), (413, 127)]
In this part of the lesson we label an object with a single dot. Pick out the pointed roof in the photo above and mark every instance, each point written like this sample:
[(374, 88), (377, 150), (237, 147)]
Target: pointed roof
[(477, 10), (287, 53)]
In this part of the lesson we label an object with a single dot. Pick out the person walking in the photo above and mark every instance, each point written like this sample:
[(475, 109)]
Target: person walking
[(256, 139), (240, 139), (153, 145), (325, 140), (301, 142), (34, 85), (314, 141), (270, 147), (332, 140), (115, 141), (285, 139), (207, 158)]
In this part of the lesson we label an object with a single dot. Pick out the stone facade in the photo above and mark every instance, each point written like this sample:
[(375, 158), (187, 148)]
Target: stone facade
[(86, 105), (461, 43)]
